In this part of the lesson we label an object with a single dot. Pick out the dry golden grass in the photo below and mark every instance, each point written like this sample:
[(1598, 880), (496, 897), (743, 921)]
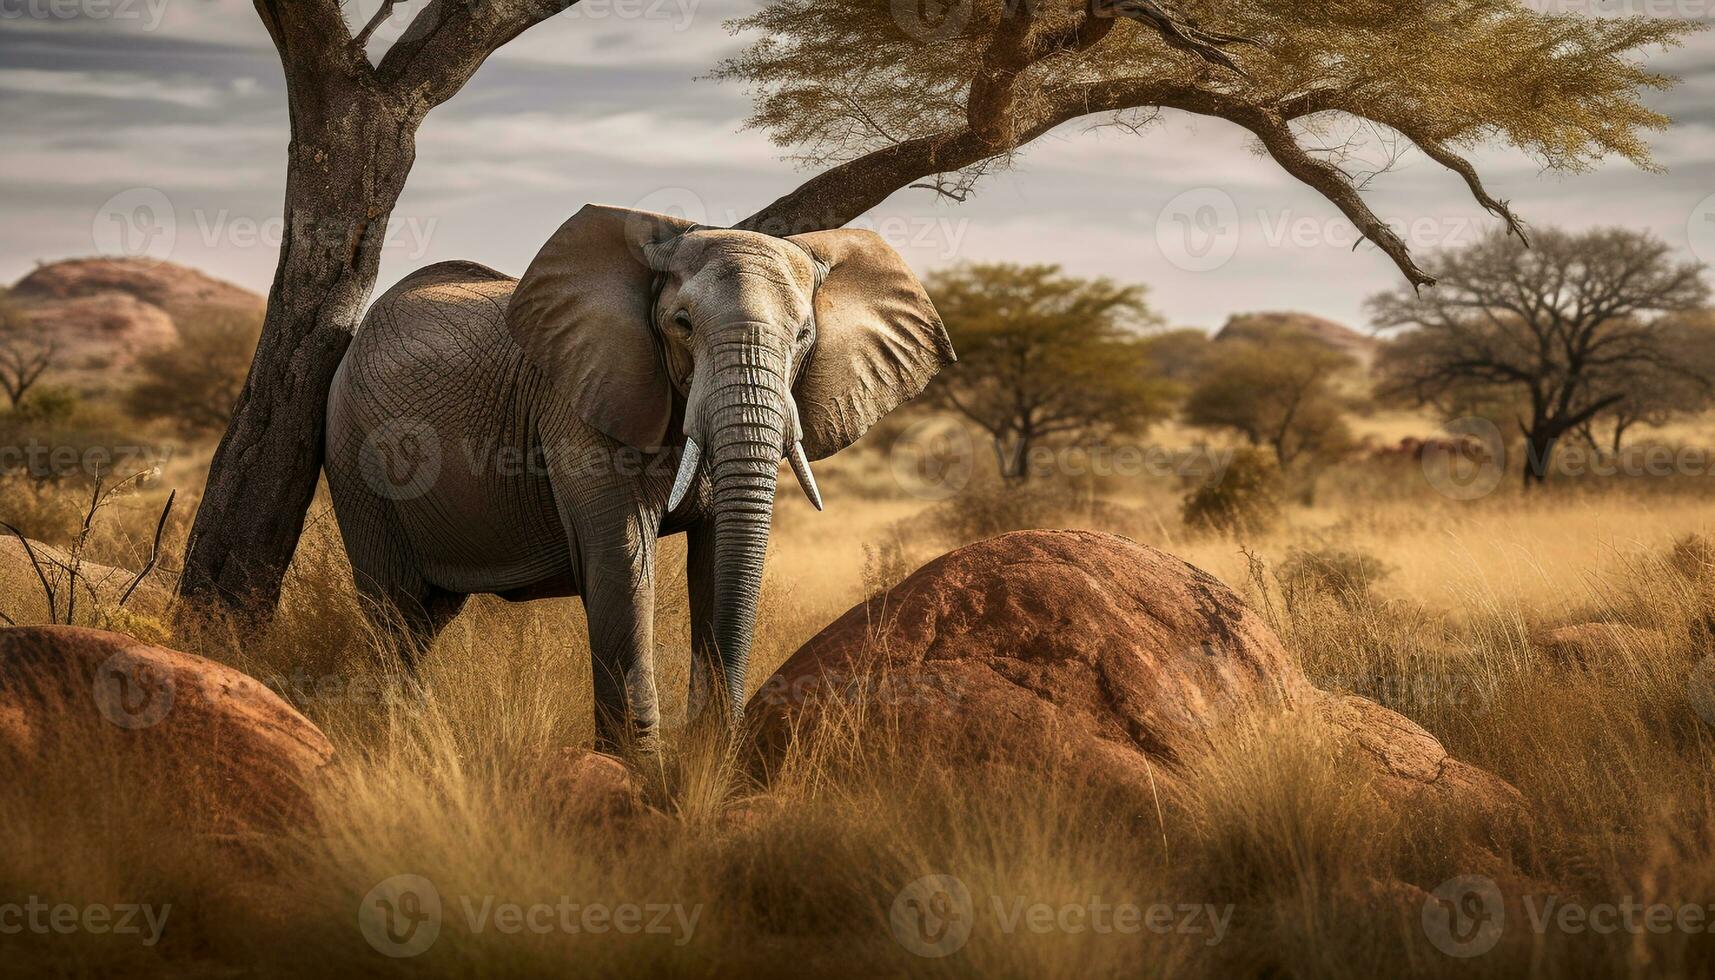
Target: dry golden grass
[(1613, 758)]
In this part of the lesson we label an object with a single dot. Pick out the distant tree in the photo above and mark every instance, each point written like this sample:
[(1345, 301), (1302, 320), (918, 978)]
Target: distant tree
[(1044, 356), (1278, 391), (1681, 384), (195, 382), (1569, 330), (1179, 355), (27, 351)]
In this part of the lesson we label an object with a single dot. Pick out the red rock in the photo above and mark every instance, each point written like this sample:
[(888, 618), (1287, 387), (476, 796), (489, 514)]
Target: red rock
[(588, 788), (1081, 655), (227, 753), (1411, 766)]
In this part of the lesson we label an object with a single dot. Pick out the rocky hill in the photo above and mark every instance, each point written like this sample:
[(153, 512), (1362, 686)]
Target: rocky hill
[(1342, 338), (105, 312)]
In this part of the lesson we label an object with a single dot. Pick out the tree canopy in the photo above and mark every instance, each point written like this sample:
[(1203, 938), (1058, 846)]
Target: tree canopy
[(887, 97), (1043, 355), (1566, 330)]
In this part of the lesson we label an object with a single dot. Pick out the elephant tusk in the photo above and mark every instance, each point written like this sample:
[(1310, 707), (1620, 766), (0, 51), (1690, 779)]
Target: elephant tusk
[(806, 479), (687, 473)]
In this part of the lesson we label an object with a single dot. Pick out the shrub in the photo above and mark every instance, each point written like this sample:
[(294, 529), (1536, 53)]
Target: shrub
[(1245, 498), (1346, 576), (194, 383), (1693, 556), (47, 405)]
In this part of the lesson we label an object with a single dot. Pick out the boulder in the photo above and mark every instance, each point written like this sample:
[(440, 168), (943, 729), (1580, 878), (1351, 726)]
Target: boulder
[(592, 789), (1083, 655), (105, 313), (1411, 767), (216, 745)]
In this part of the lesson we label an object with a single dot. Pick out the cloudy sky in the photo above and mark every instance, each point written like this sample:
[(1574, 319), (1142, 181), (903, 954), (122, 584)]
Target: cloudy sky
[(172, 113)]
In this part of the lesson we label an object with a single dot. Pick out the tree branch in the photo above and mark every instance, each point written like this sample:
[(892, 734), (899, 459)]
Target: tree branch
[(449, 40)]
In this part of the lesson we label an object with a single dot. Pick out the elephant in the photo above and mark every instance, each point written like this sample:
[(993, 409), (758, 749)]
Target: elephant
[(646, 376)]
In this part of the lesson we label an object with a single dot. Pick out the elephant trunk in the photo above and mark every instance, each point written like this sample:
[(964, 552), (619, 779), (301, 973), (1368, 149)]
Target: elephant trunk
[(744, 418)]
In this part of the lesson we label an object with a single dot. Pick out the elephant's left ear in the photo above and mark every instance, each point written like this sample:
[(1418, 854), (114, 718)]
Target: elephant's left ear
[(878, 339)]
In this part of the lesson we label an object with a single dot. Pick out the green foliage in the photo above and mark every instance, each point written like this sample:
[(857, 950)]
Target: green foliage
[(834, 81), (1044, 356), (194, 383), (1278, 391), (1243, 499), (48, 405)]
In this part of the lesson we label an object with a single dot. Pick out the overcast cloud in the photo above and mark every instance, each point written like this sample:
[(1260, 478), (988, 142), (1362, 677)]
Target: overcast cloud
[(179, 105)]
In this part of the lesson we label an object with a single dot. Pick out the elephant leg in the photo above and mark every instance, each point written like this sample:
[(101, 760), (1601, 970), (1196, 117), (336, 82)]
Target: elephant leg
[(619, 601), (400, 606), (700, 588)]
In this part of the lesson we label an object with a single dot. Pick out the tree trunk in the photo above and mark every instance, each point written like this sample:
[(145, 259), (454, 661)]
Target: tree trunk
[(351, 151), (1538, 450)]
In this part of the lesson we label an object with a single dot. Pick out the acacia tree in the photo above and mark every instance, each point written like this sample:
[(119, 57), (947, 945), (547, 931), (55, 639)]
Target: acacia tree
[(1278, 391), (354, 126), (886, 101), (1568, 330), (1682, 383), (1043, 356), (27, 351)]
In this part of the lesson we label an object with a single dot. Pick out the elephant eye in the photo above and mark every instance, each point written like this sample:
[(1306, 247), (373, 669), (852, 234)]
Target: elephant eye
[(682, 320)]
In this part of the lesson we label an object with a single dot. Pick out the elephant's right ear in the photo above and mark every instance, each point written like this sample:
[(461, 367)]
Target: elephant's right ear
[(582, 316)]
